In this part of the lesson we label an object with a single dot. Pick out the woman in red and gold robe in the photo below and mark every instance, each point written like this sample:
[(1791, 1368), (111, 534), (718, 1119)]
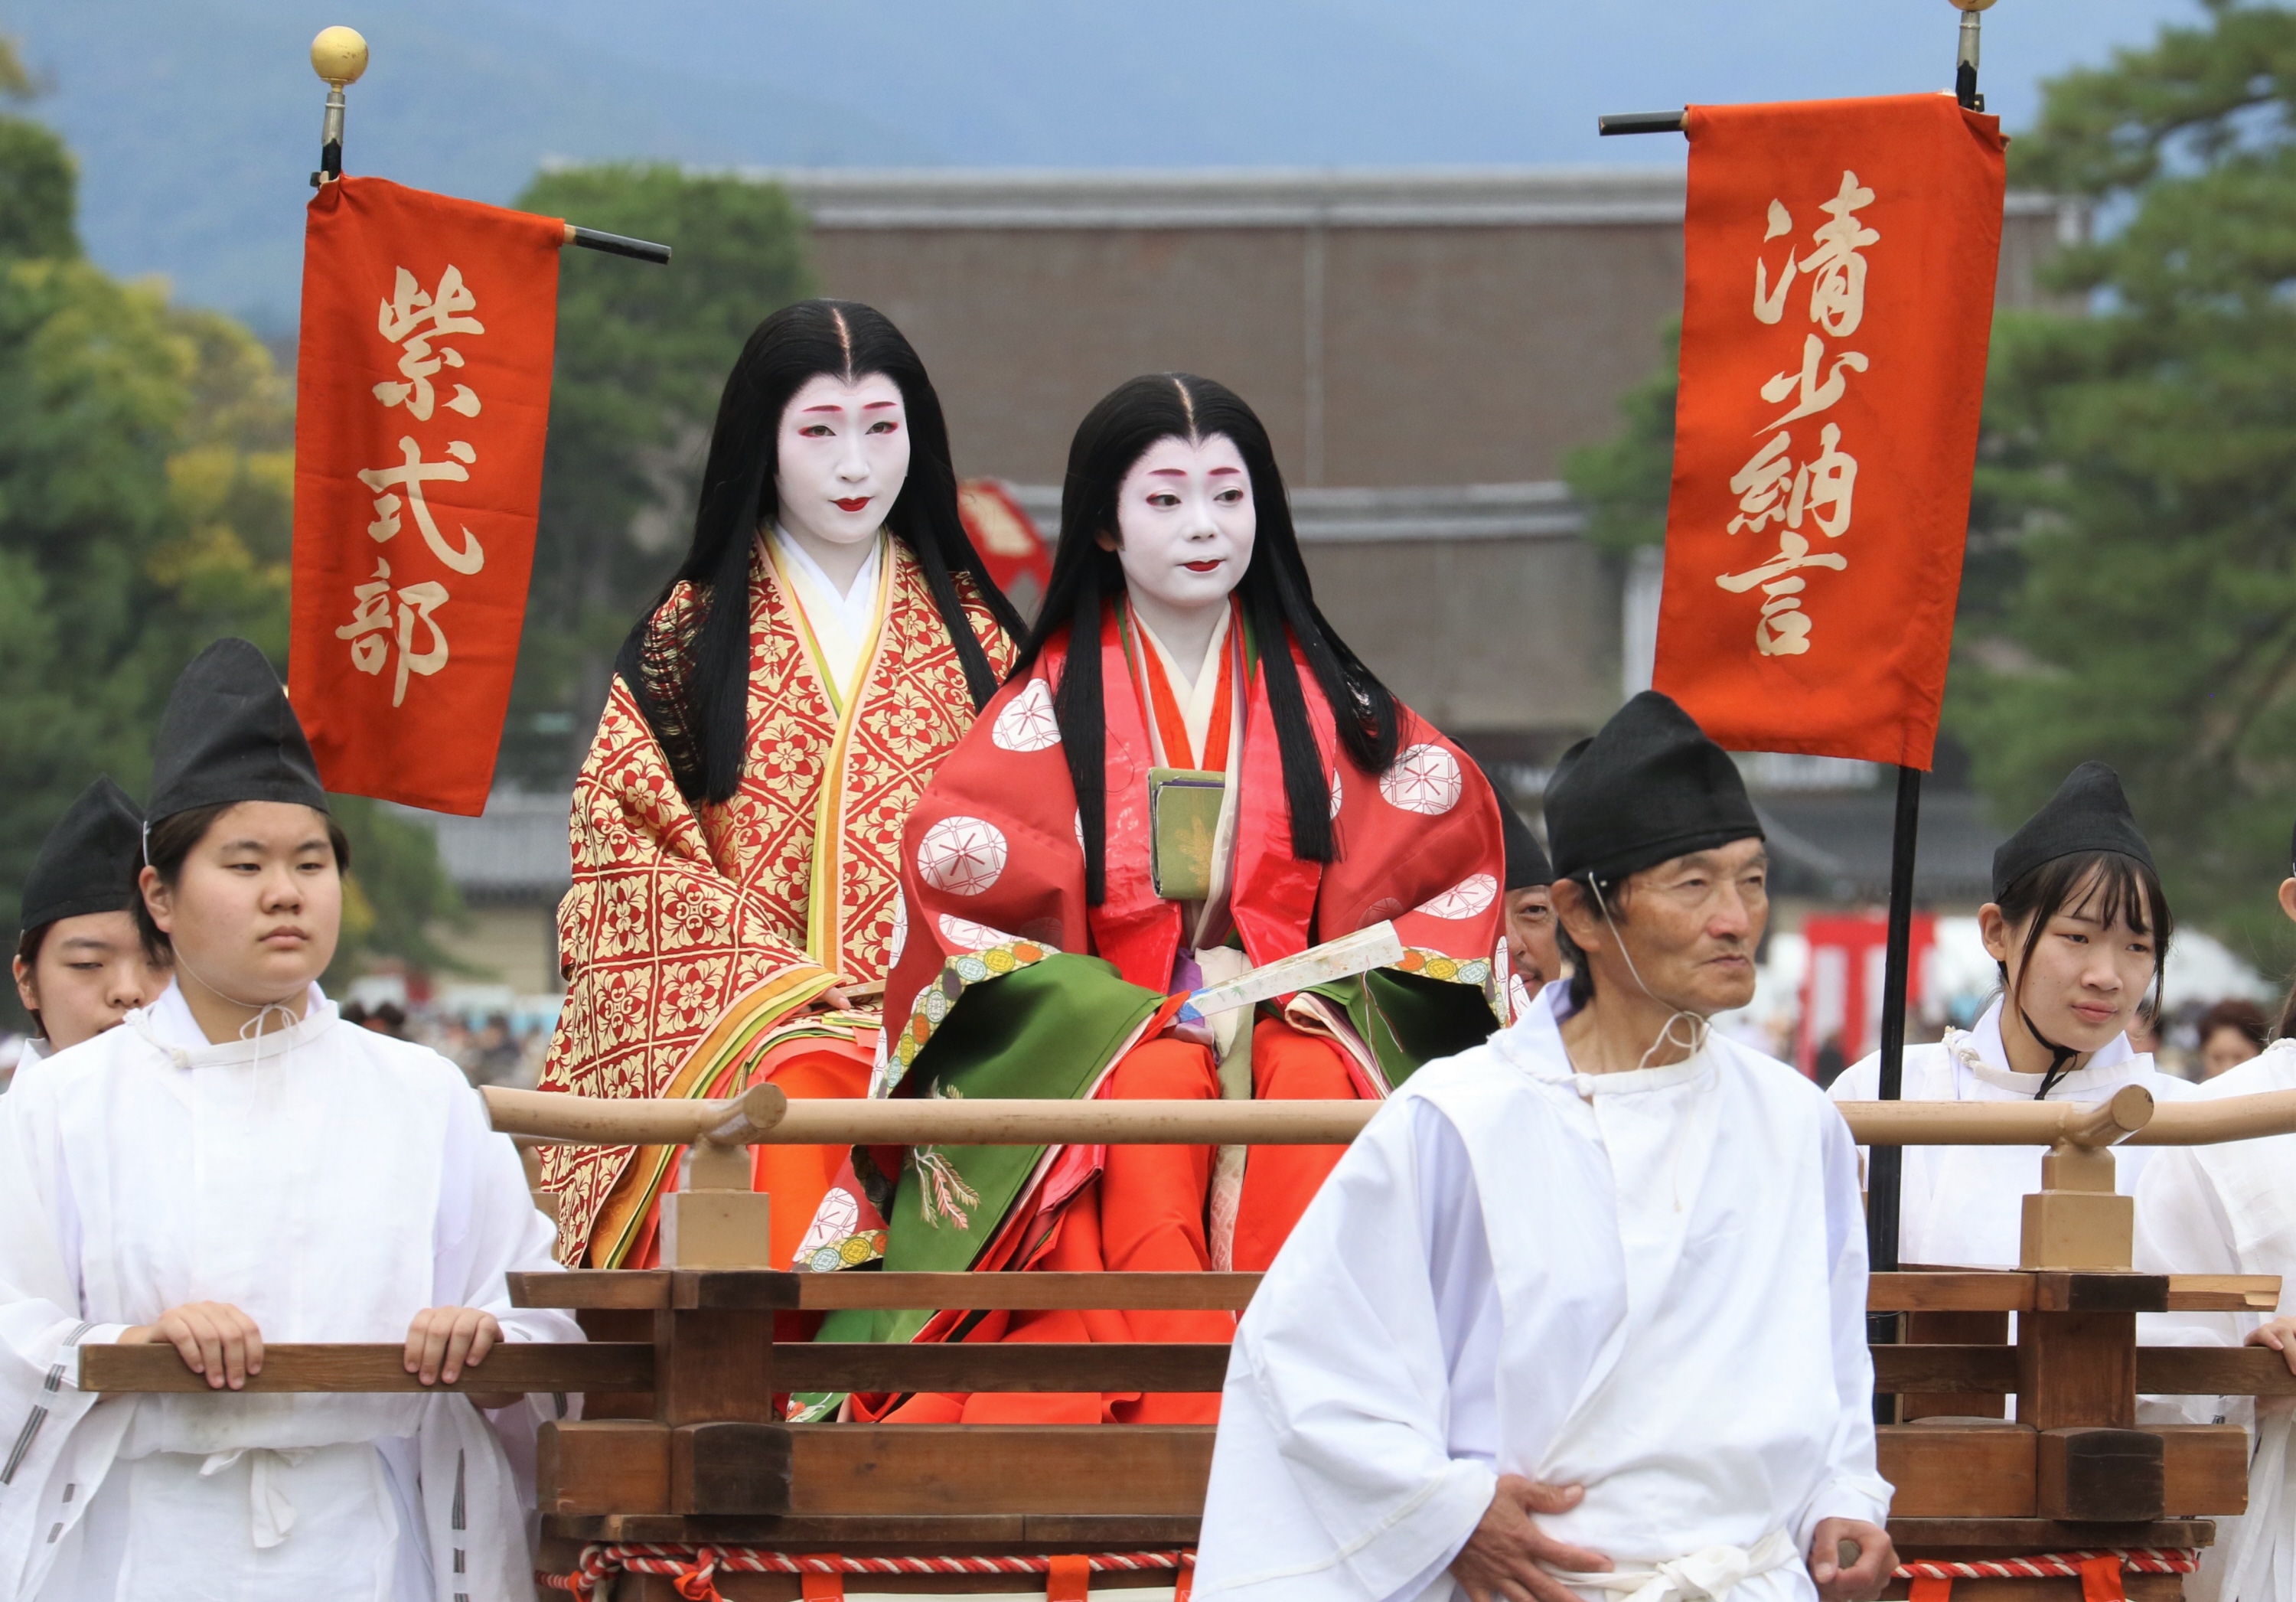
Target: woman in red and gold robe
[(736, 828), (1210, 783)]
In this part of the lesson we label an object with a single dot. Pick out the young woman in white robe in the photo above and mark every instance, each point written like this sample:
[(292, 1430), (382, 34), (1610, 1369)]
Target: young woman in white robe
[(234, 1165), (2231, 1209), (2079, 927)]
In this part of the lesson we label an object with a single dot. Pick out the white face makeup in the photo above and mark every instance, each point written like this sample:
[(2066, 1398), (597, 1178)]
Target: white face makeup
[(1186, 523), (841, 458)]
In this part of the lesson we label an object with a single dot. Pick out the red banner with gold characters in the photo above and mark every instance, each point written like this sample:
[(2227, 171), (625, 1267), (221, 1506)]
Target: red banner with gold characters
[(1839, 259), (421, 399)]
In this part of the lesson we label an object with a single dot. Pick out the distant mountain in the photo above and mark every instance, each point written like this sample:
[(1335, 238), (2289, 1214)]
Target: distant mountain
[(196, 144)]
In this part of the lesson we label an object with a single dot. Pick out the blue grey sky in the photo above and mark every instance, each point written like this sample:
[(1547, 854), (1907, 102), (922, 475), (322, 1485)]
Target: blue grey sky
[(196, 144)]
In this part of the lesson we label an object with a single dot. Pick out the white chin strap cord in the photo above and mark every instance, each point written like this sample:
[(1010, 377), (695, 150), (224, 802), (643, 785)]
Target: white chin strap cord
[(253, 1029), (1692, 1040)]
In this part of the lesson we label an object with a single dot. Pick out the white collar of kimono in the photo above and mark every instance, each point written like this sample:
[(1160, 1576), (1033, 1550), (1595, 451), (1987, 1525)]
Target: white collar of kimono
[(849, 612), (1980, 1050), (169, 1024), (1203, 691), (1535, 1045)]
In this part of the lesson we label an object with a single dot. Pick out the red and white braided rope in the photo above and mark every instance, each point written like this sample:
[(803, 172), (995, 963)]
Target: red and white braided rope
[(2050, 1565), (600, 1559), (698, 1563)]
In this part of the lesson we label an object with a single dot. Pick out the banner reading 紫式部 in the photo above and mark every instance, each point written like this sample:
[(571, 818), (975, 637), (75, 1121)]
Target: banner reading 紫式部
[(421, 400), (1839, 261)]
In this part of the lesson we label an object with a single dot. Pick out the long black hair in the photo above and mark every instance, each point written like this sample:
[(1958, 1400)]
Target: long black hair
[(693, 682), (1278, 602)]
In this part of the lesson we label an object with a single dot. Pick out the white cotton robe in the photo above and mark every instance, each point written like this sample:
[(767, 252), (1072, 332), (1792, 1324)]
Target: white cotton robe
[(1962, 1206), (2231, 1209), (1650, 1283), (331, 1183)]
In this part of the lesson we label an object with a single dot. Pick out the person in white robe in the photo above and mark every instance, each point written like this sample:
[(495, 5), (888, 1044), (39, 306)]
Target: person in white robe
[(231, 1165), (2231, 1209), (2079, 927), (1582, 1312)]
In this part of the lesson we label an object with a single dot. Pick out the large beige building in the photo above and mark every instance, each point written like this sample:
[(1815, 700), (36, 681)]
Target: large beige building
[(1424, 346)]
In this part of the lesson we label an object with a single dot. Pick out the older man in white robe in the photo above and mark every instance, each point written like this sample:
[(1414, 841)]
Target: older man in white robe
[(1582, 1313)]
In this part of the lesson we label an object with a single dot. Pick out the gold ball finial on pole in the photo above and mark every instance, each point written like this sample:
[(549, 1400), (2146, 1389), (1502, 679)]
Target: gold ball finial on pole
[(1972, 5), (339, 55)]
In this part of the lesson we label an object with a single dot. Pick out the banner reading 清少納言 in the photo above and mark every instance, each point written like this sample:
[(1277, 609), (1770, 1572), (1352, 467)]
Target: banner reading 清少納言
[(421, 400), (1839, 263)]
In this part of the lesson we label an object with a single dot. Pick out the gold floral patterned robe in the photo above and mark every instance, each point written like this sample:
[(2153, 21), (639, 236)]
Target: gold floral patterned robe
[(694, 938)]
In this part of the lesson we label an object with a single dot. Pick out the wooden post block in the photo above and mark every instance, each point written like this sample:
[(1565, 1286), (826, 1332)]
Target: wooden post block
[(730, 1468), (709, 1166), (718, 1230), (2077, 1368), (1959, 1470), (713, 1368), (2079, 1230), (2069, 1167), (610, 1465), (2204, 1469), (2101, 1476)]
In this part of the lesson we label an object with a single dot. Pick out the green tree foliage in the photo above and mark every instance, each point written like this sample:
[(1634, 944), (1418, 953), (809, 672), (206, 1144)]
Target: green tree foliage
[(146, 481), (2138, 486), (643, 353), (1623, 481)]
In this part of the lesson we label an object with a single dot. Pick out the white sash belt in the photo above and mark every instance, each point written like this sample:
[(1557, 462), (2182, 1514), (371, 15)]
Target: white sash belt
[(1707, 1576), (270, 1513)]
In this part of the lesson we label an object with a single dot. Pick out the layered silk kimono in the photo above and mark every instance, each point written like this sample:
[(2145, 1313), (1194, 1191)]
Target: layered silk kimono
[(696, 937), (1008, 983)]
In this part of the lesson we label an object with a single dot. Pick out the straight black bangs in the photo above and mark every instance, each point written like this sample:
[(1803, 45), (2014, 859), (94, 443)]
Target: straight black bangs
[(2107, 886)]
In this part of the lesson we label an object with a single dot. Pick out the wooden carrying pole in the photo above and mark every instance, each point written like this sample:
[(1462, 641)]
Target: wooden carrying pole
[(760, 1116)]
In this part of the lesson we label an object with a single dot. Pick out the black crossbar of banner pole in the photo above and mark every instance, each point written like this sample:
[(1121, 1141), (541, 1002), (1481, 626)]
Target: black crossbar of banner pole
[(1640, 122), (619, 244)]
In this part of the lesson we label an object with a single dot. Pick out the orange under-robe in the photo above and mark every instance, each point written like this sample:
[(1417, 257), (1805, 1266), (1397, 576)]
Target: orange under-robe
[(1145, 1214)]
